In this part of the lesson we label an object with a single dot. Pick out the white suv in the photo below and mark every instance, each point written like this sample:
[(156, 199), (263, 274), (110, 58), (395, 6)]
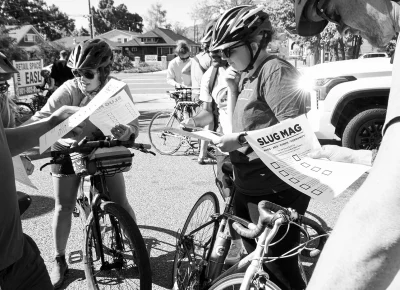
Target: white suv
[(349, 100)]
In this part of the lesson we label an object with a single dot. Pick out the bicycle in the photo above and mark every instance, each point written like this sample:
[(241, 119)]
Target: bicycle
[(114, 249), (24, 111), (167, 142), (203, 244)]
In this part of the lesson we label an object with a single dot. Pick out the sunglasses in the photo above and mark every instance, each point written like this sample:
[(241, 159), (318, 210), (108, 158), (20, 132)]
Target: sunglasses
[(227, 52), (335, 18), (83, 73)]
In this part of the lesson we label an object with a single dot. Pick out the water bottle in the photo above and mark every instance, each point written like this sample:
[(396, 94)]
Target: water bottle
[(218, 255)]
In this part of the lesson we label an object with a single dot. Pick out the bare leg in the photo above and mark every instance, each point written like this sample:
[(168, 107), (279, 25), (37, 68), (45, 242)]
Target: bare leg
[(65, 192), (204, 144), (116, 187)]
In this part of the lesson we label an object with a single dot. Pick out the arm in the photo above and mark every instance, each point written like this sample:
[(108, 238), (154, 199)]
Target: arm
[(51, 87), (171, 75), (363, 250), (205, 116)]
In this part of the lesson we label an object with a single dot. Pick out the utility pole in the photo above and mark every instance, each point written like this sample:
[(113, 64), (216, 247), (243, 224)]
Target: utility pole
[(90, 21)]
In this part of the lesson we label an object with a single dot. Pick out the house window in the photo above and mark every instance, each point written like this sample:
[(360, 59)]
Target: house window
[(133, 49), (125, 39), (30, 38), (119, 40)]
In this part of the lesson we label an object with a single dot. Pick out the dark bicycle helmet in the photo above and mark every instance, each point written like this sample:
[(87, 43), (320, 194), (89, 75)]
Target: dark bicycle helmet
[(308, 23), (208, 31), (6, 68), (241, 24)]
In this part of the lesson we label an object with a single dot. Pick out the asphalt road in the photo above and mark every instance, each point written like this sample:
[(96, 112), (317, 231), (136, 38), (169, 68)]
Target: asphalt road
[(161, 189)]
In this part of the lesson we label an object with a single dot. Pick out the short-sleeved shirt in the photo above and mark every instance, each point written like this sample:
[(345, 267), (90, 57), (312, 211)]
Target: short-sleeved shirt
[(11, 236), (219, 94), (266, 97), (60, 72), (175, 75), (197, 70)]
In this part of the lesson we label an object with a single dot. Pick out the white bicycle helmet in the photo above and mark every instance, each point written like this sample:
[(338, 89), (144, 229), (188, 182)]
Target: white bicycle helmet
[(239, 25)]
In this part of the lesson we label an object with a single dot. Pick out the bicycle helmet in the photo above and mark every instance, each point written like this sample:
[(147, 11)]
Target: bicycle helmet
[(308, 23), (6, 68), (92, 54), (208, 31), (241, 24)]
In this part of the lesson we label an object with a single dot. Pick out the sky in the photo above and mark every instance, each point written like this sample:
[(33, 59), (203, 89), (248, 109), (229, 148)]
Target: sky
[(177, 10)]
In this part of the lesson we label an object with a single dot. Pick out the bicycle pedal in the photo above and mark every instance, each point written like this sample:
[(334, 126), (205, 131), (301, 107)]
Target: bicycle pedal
[(75, 257)]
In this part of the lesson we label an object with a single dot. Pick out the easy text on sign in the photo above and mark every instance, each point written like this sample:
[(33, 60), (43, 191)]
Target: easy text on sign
[(28, 76)]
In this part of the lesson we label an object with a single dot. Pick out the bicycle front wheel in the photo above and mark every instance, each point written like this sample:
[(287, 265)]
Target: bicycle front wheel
[(23, 113), (126, 261), (234, 281), (163, 140), (186, 272)]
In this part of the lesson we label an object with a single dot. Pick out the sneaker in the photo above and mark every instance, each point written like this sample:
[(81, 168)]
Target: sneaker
[(234, 253), (60, 268)]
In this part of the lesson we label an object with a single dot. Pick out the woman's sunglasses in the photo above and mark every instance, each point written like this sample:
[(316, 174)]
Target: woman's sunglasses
[(227, 52), (83, 73)]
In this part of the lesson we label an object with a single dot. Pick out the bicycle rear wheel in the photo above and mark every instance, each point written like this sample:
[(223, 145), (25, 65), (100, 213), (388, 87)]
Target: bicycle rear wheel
[(23, 113), (234, 281), (186, 274), (127, 264), (164, 141)]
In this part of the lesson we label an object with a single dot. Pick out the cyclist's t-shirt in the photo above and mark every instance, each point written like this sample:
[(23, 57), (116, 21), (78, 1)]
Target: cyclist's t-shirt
[(175, 75), (219, 94), (266, 97), (69, 94), (198, 69), (11, 237), (60, 72)]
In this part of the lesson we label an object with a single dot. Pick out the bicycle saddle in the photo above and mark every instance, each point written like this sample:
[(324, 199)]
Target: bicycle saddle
[(24, 201), (227, 168)]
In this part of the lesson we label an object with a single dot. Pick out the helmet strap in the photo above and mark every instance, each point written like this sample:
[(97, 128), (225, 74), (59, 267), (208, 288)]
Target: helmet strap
[(254, 57)]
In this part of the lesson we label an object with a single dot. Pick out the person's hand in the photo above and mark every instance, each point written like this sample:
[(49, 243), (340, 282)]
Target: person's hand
[(232, 77), (63, 113), (228, 142), (29, 167), (121, 132), (188, 123), (342, 154)]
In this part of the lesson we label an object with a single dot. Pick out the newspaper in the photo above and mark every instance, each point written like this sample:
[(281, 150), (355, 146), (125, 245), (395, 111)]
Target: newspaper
[(284, 148)]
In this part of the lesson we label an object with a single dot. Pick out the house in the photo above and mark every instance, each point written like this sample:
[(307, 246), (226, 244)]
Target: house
[(120, 36), (71, 41), (159, 42), (26, 36)]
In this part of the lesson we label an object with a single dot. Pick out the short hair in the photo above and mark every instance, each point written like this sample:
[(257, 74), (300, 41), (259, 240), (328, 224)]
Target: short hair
[(182, 47), (63, 53)]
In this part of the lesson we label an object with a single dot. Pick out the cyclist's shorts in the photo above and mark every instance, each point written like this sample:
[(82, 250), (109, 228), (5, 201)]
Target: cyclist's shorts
[(65, 169)]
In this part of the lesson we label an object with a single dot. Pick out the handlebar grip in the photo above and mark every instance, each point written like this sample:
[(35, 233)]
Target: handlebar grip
[(248, 233), (311, 253)]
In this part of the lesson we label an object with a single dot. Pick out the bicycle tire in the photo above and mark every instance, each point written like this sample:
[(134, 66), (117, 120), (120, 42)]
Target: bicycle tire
[(206, 205), (234, 281), (314, 229), (121, 226), (23, 113), (165, 143)]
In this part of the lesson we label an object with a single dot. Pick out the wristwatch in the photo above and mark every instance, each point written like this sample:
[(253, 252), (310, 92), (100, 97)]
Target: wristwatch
[(241, 140)]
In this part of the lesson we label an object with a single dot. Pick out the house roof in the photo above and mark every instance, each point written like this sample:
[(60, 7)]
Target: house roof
[(72, 41), (18, 32), (169, 37), (116, 32)]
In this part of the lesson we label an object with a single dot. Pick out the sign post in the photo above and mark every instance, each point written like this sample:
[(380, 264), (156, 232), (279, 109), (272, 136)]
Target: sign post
[(28, 77)]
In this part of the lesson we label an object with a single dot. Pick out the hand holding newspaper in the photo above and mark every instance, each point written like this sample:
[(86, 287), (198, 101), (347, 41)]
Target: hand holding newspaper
[(284, 148)]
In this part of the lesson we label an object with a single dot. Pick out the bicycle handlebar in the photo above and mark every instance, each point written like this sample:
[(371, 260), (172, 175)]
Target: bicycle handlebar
[(270, 214)]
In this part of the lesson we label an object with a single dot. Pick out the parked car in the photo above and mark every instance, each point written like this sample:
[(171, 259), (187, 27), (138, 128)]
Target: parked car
[(374, 54), (349, 100)]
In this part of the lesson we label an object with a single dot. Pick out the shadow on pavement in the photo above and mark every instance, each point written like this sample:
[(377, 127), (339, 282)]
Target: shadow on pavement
[(72, 276), (40, 205), (162, 254)]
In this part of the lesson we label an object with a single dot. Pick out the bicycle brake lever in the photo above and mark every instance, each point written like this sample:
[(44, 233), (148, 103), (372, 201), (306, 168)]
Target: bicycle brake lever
[(44, 165)]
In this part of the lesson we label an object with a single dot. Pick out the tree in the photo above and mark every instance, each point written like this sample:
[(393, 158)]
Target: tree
[(156, 16), (178, 28), (48, 20), (108, 17)]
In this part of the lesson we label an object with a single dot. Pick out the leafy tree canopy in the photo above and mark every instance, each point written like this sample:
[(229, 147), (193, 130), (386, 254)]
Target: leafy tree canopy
[(156, 17)]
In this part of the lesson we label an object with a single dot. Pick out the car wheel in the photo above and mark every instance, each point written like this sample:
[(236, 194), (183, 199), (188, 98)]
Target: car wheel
[(364, 131)]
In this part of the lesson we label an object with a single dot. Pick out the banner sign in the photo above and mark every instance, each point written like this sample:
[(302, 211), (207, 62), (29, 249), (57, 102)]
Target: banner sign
[(28, 77), (150, 58)]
